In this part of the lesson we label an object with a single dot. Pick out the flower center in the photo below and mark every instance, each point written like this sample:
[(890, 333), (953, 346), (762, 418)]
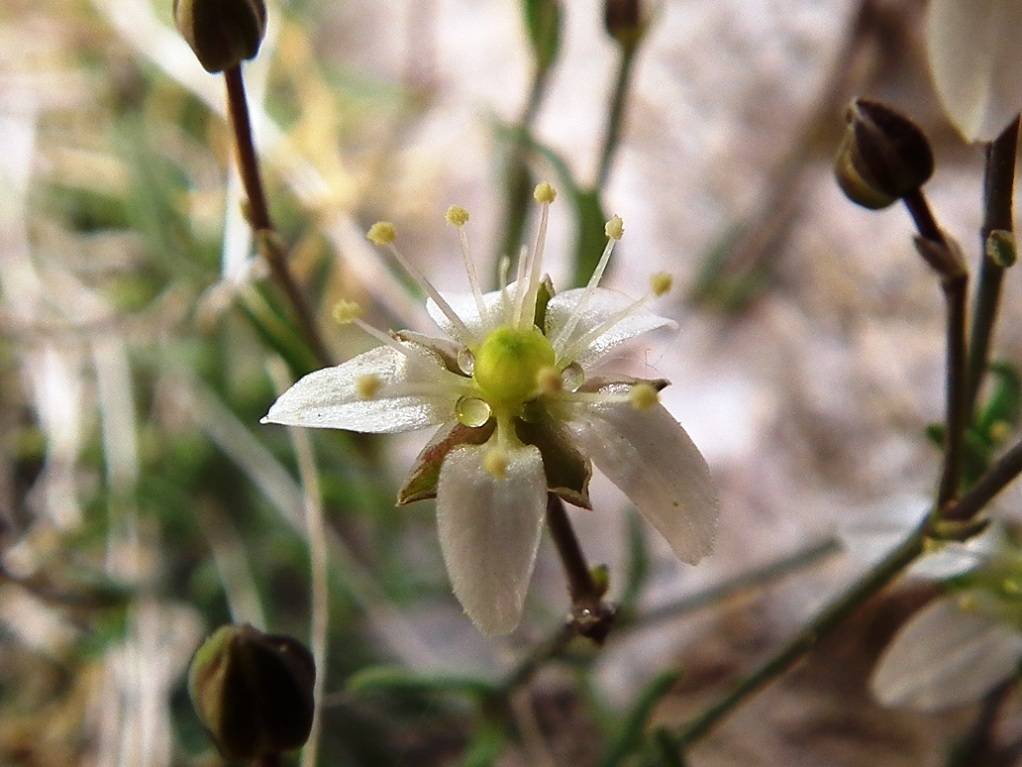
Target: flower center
[(508, 363)]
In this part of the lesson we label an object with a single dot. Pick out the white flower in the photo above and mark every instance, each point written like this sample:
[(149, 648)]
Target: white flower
[(961, 645), (520, 415), (973, 48)]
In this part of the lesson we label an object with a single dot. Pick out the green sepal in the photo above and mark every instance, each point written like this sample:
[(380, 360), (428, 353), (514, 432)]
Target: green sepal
[(425, 474), (567, 470)]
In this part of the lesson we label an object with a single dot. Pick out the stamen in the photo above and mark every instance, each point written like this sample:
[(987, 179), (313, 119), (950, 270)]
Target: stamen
[(643, 396), (496, 462), (458, 217), (349, 313), (368, 386), (615, 230), (549, 381), (661, 283), (573, 351), (383, 234), (545, 194)]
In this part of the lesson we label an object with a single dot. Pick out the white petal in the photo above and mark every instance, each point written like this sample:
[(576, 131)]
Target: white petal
[(650, 457), (489, 532), (329, 398), (945, 656), (869, 535), (602, 305), (973, 52), (496, 303)]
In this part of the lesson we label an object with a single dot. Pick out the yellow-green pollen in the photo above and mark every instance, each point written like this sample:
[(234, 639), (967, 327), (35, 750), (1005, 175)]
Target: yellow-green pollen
[(508, 364)]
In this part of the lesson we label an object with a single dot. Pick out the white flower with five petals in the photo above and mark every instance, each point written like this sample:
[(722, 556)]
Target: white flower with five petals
[(973, 49), (521, 415)]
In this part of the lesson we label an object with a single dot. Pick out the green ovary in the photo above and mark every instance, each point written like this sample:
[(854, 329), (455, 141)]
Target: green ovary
[(507, 363)]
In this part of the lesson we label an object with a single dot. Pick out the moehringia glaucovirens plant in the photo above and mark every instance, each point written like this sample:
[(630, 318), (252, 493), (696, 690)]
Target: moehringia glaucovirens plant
[(523, 411), (973, 49)]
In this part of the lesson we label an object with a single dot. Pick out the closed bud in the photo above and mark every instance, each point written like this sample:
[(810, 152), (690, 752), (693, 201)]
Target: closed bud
[(222, 33), (625, 21), (253, 691), (883, 155), (543, 25)]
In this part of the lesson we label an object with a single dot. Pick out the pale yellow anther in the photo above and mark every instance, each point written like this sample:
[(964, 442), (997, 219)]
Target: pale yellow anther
[(932, 546), (545, 193), (346, 312), (496, 462), (999, 431), (457, 215), (967, 603), (368, 385), (661, 283), (1012, 586), (615, 228), (382, 233), (643, 396), (549, 380)]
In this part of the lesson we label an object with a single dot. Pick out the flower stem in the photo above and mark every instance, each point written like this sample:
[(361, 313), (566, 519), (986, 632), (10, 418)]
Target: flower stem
[(591, 616), (819, 627), (615, 117), (941, 254), (999, 476), (998, 190), (258, 211)]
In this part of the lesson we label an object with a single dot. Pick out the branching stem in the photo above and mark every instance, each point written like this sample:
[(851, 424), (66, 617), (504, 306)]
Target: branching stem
[(259, 213)]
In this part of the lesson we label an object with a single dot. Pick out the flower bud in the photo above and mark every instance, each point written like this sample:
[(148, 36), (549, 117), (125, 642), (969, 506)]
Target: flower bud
[(883, 155), (252, 691), (222, 33), (625, 21)]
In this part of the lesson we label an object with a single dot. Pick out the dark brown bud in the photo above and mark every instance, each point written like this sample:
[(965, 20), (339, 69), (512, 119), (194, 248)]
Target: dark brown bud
[(253, 691), (883, 155), (222, 33), (625, 21)]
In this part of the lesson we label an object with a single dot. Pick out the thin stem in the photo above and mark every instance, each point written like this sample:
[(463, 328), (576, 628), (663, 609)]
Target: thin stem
[(517, 178), (943, 257), (581, 586), (956, 297), (754, 578), (826, 621), (999, 476), (615, 118), (590, 615), (259, 213), (998, 192), (923, 217)]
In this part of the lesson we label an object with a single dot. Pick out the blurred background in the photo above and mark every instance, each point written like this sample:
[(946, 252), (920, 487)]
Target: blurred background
[(142, 504)]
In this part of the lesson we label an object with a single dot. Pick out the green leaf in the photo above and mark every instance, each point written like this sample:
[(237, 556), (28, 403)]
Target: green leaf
[(403, 681), (632, 736), (1004, 405), (543, 26)]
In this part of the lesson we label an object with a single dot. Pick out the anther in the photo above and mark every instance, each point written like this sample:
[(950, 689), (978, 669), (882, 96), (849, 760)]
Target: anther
[(549, 380), (496, 463), (545, 193), (661, 283), (382, 233), (457, 215), (346, 312), (615, 228), (643, 396), (368, 385)]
